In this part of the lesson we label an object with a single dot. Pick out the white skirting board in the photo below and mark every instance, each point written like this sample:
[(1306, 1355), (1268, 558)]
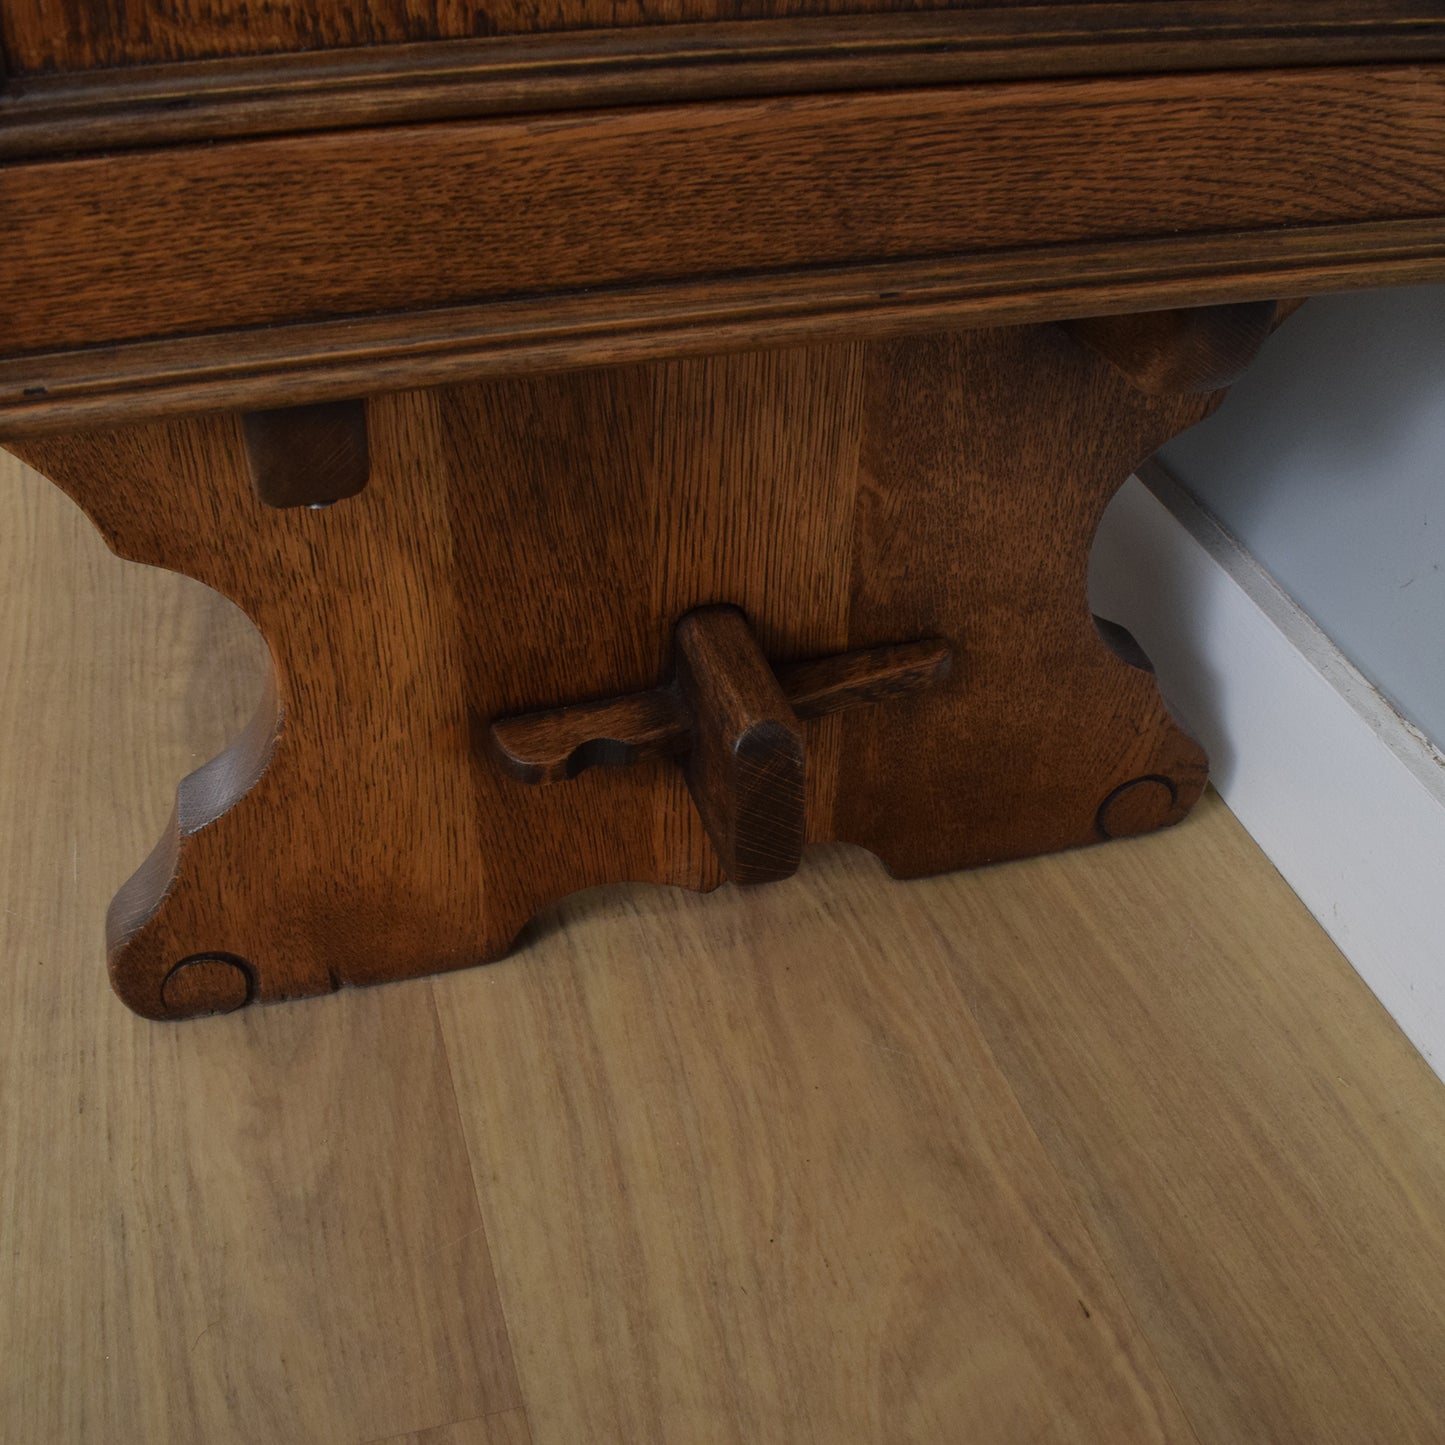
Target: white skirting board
[(1344, 795)]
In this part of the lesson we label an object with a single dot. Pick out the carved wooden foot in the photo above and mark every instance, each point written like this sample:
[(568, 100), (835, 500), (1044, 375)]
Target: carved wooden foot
[(502, 548)]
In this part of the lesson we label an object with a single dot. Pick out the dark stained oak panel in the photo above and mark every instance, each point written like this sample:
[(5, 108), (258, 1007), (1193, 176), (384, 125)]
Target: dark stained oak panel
[(253, 233), (281, 366), (51, 35), (180, 102)]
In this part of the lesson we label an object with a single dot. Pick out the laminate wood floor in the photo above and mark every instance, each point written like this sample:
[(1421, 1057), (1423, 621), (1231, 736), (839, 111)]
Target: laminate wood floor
[(1104, 1148)]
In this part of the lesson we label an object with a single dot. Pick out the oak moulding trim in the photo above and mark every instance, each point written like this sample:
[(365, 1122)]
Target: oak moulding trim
[(119, 249), (188, 102), (325, 361)]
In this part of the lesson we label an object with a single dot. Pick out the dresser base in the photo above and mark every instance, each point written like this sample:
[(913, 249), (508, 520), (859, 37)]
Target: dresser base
[(521, 545)]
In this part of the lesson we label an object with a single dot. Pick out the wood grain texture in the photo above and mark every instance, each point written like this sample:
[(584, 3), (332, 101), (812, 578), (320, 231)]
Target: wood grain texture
[(785, 1151), (145, 244), (86, 34), (90, 34), (181, 103), (842, 497), (1001, 503), (821, 686), (507, 1428), (267, 1234), (1152, 1018), (395, 651), (1192, 349), (849, 1228), (802, 1126), (281, 366)]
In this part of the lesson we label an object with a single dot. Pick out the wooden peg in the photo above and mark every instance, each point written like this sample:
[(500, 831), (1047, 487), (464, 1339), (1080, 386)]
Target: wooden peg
[(734, 722), (1193, 349), (822, 685), (307, 456), (745, 761), (559, 743), (614, 732)]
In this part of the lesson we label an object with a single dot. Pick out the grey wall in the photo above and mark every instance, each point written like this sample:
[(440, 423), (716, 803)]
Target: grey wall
[(1327, 462)]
